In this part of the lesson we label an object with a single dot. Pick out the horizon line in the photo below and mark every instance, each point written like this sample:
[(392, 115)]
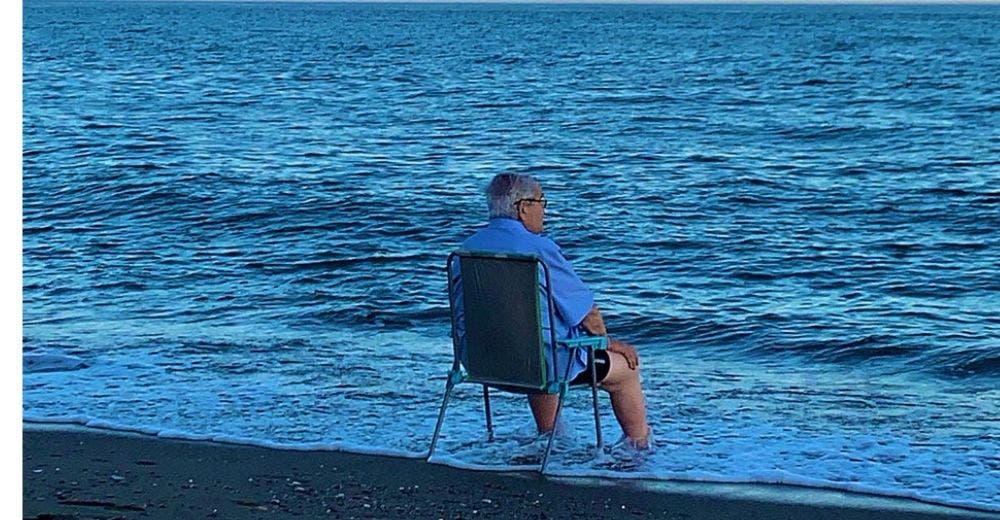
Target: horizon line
[(570, 2)]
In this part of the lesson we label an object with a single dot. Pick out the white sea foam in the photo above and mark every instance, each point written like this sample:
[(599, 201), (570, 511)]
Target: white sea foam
[(714, 422)]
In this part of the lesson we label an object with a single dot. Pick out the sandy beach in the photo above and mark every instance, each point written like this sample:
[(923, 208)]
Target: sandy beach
[(78, 473)]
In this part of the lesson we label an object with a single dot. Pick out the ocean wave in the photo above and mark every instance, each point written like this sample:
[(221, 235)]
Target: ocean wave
[(977, 362), (34, 362)]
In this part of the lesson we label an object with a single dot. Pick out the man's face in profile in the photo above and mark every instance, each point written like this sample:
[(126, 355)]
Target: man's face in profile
[(532, 212)]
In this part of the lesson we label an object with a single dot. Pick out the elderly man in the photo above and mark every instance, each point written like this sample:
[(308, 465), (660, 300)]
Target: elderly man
[(517, 216)]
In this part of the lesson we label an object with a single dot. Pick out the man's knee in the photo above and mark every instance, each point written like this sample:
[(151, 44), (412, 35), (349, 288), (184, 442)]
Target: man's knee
[(632, 375), (621, 376)]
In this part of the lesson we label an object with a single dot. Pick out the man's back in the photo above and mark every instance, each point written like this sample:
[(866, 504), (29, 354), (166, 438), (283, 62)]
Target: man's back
[(572, 298)]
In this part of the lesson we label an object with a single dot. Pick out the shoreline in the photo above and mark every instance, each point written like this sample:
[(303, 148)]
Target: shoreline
[(93, 473)]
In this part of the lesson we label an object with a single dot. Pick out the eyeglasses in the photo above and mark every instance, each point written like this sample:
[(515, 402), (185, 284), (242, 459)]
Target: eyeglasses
[(543, 202)]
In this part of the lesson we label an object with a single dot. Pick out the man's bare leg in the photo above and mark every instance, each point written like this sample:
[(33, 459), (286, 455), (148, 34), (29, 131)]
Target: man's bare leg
[(625, 388), (627, 401), (543, 407)]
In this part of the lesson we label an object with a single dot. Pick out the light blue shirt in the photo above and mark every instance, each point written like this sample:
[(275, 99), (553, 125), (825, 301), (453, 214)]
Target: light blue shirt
[(571, 296)]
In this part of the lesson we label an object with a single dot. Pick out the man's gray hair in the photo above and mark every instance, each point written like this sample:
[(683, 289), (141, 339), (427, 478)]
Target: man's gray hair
[(506, 189)]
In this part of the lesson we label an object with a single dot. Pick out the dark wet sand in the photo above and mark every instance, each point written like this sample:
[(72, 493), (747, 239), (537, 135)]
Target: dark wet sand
[(92, 474)]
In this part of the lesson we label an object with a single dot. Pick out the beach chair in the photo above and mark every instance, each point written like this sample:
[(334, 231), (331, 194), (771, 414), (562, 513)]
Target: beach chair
[(504, 335)]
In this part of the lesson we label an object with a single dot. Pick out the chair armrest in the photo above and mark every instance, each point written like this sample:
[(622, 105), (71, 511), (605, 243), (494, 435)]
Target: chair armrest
[(597, 342)]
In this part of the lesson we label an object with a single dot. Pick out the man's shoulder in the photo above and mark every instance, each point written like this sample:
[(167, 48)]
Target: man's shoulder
[(503, 237), (547, 243), (525, 243)]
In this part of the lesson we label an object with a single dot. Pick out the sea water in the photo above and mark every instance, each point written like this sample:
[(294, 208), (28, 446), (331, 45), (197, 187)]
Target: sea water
[(236, 218)]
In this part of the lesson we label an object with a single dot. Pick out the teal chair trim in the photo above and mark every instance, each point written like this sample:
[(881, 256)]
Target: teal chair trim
[(597, 342)]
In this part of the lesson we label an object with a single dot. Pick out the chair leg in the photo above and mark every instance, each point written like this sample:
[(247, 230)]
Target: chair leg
[(552, 434), (593, 392), (489, 414), (444, 406)]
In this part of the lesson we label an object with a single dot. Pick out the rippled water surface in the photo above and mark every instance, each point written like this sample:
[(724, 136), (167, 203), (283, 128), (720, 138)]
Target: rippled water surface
[(236, 218)]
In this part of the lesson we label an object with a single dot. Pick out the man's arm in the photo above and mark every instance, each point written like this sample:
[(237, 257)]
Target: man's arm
[(571, 297), (593, 323)]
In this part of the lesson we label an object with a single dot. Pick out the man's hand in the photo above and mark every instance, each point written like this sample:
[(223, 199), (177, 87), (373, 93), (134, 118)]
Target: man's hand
[(631, 356), (594, 323)]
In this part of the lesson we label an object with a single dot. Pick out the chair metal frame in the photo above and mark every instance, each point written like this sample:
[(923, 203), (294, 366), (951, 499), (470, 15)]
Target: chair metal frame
[(558, 386)]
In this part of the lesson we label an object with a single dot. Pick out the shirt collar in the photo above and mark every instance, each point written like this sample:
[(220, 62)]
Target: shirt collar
[(507, 223)]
